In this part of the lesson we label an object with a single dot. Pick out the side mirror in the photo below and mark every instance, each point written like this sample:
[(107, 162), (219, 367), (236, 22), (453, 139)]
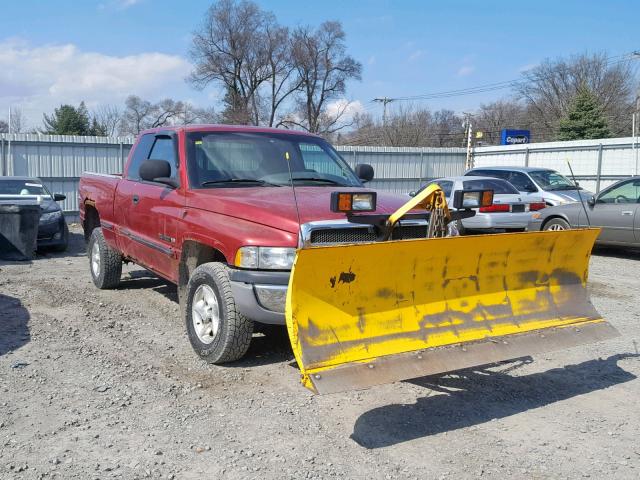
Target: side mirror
[(591, 201), (58, 197), (158, 171), (413, 193), (364, 172)]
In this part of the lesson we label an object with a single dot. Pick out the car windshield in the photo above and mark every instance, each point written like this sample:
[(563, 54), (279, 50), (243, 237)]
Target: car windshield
[(240, 159), (498, 186), (551, 180), (22, 187)]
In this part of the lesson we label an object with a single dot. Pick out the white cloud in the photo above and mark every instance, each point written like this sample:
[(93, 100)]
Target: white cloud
[(415, 55), (40, 78), (466, 70), (349, 108), (527, 67)]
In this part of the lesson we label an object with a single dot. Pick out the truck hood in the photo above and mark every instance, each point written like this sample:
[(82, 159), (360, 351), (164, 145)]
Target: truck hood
[(275, 206)]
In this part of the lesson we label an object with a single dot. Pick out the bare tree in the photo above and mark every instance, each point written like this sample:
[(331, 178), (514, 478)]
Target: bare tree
[(4, 127), (109, 117), (140, 114), (229, 49), (492, 117), (323, 68), (549, 89), (283, 81), (16, 120), (408, 126), (447, 129)]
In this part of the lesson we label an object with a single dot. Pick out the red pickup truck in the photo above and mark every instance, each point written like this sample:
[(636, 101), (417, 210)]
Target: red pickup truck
[(220, 212)]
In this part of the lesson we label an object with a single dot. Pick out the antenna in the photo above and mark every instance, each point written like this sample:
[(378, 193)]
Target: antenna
[(295, 197), (573, 177)]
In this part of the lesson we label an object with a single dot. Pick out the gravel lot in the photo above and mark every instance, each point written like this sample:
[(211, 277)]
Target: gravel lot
[(104, 384)]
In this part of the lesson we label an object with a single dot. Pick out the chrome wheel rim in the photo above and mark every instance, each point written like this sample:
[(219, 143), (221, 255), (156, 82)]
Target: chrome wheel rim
[(205, 314), (556, 227), (95, 259)]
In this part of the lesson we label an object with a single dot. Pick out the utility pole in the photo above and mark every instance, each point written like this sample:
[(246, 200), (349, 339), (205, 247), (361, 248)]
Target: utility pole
[(384, 101), (634, 133), (469, 127)]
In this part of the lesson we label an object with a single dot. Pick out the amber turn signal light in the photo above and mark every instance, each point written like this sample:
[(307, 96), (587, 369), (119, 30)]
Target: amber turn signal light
[(347, 202)]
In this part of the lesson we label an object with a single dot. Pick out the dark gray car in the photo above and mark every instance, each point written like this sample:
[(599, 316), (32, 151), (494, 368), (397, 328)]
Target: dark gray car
[(616, 210)]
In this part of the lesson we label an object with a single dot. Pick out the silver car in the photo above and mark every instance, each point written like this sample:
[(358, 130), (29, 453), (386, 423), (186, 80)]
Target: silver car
[(616, 210), (553, 187), (509, 210)]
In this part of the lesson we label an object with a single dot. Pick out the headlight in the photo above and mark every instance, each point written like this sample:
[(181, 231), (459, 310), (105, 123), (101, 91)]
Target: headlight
[(267, 258), (50, 216)]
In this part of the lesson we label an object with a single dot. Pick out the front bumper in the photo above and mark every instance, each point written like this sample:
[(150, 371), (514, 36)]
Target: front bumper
[(52, 233), (496, 221), (260, 295)]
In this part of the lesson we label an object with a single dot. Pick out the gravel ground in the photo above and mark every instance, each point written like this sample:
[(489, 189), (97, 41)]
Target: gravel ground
[(104, 384)]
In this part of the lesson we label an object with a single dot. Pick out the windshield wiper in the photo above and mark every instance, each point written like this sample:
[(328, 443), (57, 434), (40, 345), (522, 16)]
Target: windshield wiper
[(252, 181), (317, 179)]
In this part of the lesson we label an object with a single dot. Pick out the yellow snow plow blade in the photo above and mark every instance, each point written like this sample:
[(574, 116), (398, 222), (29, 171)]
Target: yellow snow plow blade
[(364, 314)]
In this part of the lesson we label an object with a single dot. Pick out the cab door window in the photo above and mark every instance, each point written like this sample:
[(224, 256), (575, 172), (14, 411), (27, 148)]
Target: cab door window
[(164, 149)]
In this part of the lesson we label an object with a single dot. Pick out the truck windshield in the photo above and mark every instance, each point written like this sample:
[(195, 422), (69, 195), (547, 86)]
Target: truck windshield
[(551, 180), (241, 159)]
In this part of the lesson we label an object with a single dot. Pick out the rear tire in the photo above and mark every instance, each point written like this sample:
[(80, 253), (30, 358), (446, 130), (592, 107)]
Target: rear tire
[(217, 331), (556, 224), (105, 263)]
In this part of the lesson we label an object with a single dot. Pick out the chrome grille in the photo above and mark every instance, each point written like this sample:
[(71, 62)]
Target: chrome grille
[(363, 234)]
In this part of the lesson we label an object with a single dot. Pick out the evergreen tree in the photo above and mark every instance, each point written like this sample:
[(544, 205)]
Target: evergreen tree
[(585, 118), (68, 120)]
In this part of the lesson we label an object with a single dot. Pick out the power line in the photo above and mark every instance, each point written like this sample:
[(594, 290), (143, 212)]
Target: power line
[(490, 87)]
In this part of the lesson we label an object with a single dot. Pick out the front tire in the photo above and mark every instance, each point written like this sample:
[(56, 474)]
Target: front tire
[(556, 224), (217, 331), (105, 263)]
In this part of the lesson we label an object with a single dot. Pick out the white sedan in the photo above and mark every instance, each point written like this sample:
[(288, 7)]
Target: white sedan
[(510, 210)]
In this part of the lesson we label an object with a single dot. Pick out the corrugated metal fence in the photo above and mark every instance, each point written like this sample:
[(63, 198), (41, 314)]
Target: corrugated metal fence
[(595, 163), (59, 160)]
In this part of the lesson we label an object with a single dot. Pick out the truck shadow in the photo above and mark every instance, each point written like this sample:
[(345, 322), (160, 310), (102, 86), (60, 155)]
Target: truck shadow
[(144, 279), (14, 324), (270, 344), (617, 252), (476, 396)]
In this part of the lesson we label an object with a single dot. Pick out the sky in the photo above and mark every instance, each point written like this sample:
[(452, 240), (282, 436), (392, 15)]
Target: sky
[(63, 51)]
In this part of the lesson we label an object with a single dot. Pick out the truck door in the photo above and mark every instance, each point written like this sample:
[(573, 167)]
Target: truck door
[(152, 212)]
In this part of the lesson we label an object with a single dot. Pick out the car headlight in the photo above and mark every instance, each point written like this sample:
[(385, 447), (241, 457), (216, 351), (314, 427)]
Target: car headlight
[(50, 216), (267, 258)]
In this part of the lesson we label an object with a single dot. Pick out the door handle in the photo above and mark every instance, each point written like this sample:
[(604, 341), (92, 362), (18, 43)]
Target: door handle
[(627, 212), (135, 199)]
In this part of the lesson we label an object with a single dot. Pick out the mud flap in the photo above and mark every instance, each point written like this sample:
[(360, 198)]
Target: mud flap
[(365, 314)]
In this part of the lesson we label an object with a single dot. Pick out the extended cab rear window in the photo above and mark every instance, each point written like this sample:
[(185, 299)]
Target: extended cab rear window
[(498, 186)]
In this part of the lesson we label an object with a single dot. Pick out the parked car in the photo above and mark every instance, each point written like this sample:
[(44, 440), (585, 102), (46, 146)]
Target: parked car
[(553, 187), (510, 211), (616, 210), (53, 232)]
